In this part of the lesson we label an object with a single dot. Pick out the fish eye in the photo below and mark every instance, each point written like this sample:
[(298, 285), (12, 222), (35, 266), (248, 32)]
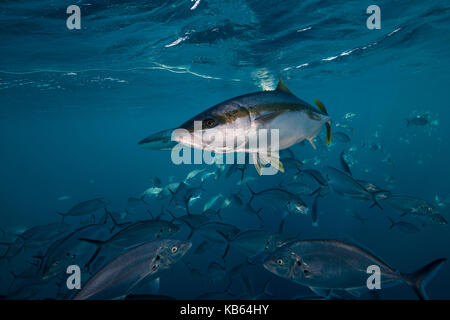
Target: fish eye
[(209, 123), (280, 261), (174, 249)]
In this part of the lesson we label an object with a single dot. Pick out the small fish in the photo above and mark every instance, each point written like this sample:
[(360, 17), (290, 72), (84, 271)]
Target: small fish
[(419, 120), (68, 250), (356, 215), (36, 237), (214, 231), (193, 221), (345, 185), (115, 280), (403, 226), (324, 265), (193, 174), (137, 233), (202, 247), (414, 205), (62, 198), (342, 137), (212, 201), (344, 163), (86, 207), (252, 242)]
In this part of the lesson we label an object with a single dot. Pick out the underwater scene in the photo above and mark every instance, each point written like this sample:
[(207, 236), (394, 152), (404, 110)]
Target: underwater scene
[(212, 150)]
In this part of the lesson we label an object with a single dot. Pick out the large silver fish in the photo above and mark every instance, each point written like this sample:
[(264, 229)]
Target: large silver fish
[(243, 116), (117, 278), (325, 265)]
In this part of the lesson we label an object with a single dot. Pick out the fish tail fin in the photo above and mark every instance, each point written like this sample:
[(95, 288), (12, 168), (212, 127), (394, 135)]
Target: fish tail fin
[(329, 132), (253, 193), (242, 169), (261, 220), (317, 191), (151, 214), (322, 109), (191, 233), (225, 236), (116, 224), (63, 215), (218, 213), (227, 249), (142, 198), (375, 201), (266, 291), (97, 251), (282, 222), (407, 122), (172, 215), (419, 279), (391, 221)]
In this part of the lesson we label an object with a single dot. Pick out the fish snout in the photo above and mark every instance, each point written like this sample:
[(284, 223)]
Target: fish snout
[(161, 140)]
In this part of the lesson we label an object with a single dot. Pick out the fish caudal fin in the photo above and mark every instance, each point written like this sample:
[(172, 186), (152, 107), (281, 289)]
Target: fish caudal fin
[(329, 133), (419, 279), (322, 109)]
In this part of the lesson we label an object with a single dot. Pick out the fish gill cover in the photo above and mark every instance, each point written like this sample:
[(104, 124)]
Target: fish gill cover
[(77, 189)]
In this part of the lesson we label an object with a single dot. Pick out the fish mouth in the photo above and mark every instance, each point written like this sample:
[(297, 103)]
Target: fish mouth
[(161, 140)]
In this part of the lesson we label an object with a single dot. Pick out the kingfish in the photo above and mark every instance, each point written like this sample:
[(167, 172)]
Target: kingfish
[(243, 116)]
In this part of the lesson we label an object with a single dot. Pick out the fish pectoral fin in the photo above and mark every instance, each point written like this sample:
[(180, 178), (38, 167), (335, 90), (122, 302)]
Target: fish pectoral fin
[(268, 116), (311, 140)]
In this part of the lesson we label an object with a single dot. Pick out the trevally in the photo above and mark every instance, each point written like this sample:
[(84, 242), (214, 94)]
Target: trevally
[(324, 265), (117, 278)]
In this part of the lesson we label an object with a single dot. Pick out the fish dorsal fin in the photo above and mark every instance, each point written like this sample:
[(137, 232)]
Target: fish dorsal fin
[(282, 87)]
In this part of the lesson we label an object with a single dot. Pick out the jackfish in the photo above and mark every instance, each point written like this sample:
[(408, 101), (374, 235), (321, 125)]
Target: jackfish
[(325, 265)]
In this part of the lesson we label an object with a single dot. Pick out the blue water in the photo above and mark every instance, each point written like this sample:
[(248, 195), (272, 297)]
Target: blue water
[(75, 103)]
